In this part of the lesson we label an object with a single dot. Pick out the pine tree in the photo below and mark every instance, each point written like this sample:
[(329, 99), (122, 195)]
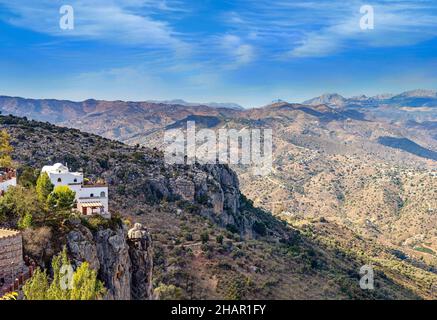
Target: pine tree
[(36, 287), (67, 284), (60, 287), (62, 198), (85, 284), (25, 221), (43, 187), (19, 202), (5, 150)]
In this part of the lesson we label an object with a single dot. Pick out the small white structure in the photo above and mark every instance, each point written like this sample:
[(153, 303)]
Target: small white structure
[(8, 178), (91, 199)]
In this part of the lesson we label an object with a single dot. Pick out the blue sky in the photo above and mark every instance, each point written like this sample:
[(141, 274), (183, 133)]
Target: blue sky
[(243, 51)]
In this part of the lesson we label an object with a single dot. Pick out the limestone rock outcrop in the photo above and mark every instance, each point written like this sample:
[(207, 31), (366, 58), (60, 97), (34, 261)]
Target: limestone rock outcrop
[(141, 256), (124, 263)]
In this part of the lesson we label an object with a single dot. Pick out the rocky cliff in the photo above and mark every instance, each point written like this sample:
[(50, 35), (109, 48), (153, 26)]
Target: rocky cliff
[(124, 264), (209, 242)]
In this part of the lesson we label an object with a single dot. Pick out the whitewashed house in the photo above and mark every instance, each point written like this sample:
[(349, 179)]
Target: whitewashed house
[(91, 198), (8, 178)]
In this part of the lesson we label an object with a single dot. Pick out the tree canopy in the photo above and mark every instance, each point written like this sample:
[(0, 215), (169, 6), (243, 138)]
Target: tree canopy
[(43, 187), (66, 284), (19, 203), (5, 150), (61, 198)]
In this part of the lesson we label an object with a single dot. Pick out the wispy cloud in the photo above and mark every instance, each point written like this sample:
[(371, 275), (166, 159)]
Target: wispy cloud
[(395, 25), (304, 28), (123, 22), (241, 53)]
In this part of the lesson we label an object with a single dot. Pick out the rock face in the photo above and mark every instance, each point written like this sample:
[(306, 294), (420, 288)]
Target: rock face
[(124, 265), (115, 265), (224, 197), (81, 247), (141, 256)]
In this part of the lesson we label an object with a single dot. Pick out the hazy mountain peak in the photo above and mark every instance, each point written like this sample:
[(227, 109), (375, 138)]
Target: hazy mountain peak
[(360, 97), (227, 105), (412, 98), (330, 99), (383, 96), (420, 93)]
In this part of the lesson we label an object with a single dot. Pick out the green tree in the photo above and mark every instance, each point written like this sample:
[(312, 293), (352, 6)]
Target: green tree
[(43, 187), (219, 239), (260, 228), (57, 291), (204, 237), (36, 287), (81, 284), (28, 177), (5, 150), (85, 284), (168, 292), (61, 198), (21, 203), (26, 221)]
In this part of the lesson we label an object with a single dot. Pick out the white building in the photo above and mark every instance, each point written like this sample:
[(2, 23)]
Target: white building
[(8, 177), (91, 198)]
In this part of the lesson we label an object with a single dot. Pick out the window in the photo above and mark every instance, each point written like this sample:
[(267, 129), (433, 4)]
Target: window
[(59, 180), (102, 194), (92, 195)]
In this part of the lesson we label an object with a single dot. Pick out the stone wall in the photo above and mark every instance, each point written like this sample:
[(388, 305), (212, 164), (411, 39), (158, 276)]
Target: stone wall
[(11, 255)]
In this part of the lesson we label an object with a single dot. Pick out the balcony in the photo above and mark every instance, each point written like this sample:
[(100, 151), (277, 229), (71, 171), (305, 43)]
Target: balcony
[(94, 184)]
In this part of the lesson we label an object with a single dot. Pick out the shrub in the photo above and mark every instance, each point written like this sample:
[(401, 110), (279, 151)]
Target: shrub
[(20, 203), (37, 243), (168, 292), (259, 228), (219, 239), (232, 228), (204, 237)]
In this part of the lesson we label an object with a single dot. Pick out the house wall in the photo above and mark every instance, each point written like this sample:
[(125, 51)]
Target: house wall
[(6, 184), (86, 192), (66, 178), (11, 257)]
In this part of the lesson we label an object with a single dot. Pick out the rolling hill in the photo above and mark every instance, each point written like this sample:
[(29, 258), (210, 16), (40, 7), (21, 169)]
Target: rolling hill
[(369, 170)]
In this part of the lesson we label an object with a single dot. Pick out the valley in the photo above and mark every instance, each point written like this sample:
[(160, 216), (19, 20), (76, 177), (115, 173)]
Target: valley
[(340, 176)]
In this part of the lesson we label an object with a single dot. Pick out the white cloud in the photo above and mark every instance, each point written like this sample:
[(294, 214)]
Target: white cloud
[(395, 25), (241, 53), (113, 20), (305, 28)]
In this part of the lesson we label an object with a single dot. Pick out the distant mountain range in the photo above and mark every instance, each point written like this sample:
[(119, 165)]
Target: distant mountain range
[(413, 98), (57, 111), (226, 105), (365, 163), (132, 122)]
